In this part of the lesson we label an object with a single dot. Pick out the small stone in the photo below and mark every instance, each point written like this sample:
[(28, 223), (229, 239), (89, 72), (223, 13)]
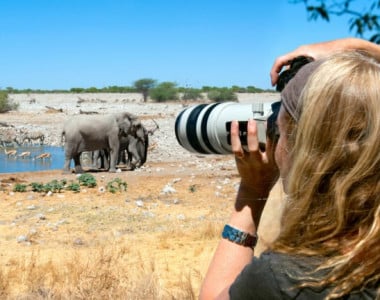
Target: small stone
[(168, 189), (78, 242), (30, 197), (41, 216), (181, 217), (22, 238), (175, 180), (139, 203)]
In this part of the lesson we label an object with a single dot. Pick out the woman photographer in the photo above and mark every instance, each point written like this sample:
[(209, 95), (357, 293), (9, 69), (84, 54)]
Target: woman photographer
[(327, 155)]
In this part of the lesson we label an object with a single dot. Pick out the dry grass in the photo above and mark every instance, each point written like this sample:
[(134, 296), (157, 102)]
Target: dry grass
[(94, 245), (118, 271)]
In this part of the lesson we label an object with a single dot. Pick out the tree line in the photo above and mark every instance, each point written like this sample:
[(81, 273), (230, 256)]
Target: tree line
[(149, 88)]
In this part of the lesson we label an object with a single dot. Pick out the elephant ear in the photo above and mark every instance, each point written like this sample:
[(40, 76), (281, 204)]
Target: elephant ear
[(135, 125), (128, 123)]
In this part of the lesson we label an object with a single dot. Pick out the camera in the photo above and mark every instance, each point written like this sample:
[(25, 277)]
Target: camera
[(206, 128)]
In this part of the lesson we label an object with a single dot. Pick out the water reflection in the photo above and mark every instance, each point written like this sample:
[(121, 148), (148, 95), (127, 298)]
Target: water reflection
[(23, 161)]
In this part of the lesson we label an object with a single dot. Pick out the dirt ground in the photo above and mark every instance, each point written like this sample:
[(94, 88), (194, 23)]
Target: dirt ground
[(171, 213)]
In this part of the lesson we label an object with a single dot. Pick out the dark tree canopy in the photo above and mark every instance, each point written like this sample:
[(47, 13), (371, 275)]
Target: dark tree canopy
[(364, 17)]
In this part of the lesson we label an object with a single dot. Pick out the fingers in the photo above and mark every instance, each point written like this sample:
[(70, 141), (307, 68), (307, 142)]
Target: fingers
[(252, 139), (284, 60), (278, 64), (236, 146)]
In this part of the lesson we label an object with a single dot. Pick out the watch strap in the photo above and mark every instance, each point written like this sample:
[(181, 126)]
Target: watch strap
[(239, 237)]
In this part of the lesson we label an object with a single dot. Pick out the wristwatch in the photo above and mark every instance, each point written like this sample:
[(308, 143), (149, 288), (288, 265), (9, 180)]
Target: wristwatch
[(239, 237)]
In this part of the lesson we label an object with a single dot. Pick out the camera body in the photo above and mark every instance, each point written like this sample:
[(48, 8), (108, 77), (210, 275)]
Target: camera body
[(206, 128)]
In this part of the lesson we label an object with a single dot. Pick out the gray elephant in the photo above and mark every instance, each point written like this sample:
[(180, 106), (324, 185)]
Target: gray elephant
[(94, 132), (135, 147), (101, 159)]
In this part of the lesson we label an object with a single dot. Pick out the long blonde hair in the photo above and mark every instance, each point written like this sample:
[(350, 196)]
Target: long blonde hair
[(333, 207)]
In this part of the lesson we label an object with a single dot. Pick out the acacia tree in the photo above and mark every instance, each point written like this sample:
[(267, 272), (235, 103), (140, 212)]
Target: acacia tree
[(144, 86), (362, 20)]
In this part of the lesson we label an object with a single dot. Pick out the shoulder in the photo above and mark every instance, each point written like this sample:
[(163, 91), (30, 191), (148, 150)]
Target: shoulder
[(277, 276), (257, 280)]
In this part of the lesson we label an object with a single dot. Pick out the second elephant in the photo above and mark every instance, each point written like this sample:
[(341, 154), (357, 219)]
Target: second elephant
[(133, 149)]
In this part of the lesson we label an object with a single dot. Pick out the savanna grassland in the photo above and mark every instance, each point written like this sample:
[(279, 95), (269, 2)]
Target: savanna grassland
[(153, 240)]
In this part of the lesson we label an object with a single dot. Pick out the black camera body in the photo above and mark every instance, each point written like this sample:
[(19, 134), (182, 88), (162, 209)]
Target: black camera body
[(206, 128)]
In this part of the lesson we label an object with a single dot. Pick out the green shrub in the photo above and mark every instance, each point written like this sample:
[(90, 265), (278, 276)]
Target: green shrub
[(192, 188), (87, 179), (116, 185), (20, 187), (37, 187), (164, 92), (5, 103), (54, 186), (253, 89), (192, 94), (74, 187), (222, 95)]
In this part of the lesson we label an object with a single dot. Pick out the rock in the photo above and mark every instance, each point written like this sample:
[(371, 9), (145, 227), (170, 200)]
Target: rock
[(168, 189), (139, 203), (22, 238), (41, 216)]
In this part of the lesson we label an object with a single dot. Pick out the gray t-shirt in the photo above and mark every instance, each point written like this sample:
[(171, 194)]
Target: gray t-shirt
[(274, 276)]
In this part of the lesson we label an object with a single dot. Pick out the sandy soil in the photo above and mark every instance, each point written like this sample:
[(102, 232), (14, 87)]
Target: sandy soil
[(176, 193)]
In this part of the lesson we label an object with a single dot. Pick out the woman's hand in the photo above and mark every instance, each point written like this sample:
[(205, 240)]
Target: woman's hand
[(321, 50), (258, 173), (257, 169)]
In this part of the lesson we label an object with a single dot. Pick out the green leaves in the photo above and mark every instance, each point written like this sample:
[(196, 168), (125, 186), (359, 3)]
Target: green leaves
[(5, 103), (87, 179), (165, 91), (363, 20), (117, 185), (57, 186)]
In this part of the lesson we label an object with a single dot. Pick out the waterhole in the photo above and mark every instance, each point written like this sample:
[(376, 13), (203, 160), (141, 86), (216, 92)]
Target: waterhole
[(31, 158)]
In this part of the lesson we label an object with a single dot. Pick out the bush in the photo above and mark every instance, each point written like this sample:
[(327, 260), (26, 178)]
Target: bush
[(37, 187), (54, 186), (87, 180), (5, 103), (164, 92), (222, 95), (192, 94), (74, 187), (116, 185), (20, 187)]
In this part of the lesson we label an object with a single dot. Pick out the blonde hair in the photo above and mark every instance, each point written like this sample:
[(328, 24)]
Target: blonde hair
[(333, 210)]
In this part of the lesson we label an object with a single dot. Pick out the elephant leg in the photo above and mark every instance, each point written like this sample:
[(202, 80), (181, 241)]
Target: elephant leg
[(106, 159), (68, 156), (103, 159), (66, 167), (113, 159), (95, 158), (77, 165), (122, 159)]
